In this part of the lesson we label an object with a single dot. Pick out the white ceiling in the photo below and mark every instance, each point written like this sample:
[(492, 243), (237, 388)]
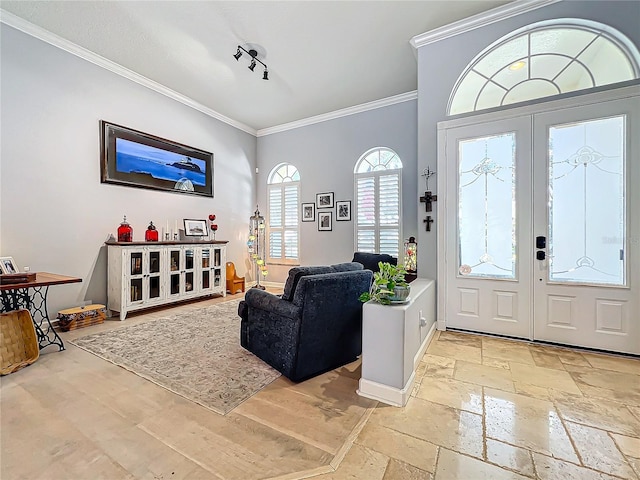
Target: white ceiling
[(322, 55)]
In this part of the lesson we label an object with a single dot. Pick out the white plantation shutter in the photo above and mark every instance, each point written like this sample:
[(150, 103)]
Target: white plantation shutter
[(378, 203), (291, 222), (284, 194), (389, 191)]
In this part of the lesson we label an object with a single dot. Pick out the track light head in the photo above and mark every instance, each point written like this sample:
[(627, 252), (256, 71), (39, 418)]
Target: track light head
[(254, 60)]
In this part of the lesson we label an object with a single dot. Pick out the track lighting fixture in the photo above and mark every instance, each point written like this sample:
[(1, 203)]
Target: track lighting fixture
[(254, 58)]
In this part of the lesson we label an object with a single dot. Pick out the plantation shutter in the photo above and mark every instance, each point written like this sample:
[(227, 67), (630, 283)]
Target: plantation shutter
[(283, 222), (378, 212), (366, 207), (389, 194), (291, 222), (275, 222)]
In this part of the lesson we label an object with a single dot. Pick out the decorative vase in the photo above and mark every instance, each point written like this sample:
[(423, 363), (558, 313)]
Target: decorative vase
[(151, 234), (125, 232)]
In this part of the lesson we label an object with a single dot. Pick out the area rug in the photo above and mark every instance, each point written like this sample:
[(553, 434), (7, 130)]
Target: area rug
[(195, 354)]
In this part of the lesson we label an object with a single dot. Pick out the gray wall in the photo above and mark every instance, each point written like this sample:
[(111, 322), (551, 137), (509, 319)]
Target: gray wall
[(325, 155), (440, 64), (55, 214)]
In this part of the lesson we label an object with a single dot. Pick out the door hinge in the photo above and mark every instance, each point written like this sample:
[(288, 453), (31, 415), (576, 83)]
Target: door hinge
[(621, 254)]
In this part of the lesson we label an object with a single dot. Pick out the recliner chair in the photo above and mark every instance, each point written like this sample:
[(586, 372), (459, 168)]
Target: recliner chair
[(314, 327)]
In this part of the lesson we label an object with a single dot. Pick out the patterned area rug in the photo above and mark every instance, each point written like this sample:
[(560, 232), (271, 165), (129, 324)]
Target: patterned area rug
[(195, 354)]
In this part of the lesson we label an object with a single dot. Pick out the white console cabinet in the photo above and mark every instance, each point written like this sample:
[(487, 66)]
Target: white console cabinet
[(394, 339), (149, 274)]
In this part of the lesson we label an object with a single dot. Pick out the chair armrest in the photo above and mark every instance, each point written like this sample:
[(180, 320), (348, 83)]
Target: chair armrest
[(262, 300)]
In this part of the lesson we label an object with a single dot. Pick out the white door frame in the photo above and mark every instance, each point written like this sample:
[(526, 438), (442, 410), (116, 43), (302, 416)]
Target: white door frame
[(441, 207)]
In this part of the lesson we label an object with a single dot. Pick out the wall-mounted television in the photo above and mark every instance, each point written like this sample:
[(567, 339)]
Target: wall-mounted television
[(138, 159)]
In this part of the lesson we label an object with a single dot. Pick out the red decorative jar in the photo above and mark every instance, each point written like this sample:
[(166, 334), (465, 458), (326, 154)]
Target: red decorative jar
[(125, 232), (151, 235)]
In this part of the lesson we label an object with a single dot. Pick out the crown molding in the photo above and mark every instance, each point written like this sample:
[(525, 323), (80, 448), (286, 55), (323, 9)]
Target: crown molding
[(364, 107), (479, 20), (46, 36)]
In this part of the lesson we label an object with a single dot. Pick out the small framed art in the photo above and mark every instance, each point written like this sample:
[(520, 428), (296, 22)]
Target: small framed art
[(8, 266), (308, 212), (195, 228), (343, 211), (324, 221), (324, 200)]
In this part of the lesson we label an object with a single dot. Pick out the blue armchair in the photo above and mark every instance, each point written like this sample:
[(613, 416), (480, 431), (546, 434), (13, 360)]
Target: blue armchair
[(314, 327)]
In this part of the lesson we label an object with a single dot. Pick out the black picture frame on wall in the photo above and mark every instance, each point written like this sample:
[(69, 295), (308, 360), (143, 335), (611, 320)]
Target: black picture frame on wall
[(324, 200), (308, 212), (325, 221), (343, 211), (136, 159)]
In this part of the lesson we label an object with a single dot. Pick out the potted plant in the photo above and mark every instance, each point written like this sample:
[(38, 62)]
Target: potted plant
[(388, 285)]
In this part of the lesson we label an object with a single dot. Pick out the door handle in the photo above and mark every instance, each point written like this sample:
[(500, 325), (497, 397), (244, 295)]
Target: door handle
[(540, 255), (541, 242)]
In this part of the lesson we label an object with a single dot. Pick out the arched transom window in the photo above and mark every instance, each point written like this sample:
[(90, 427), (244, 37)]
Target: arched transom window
[(283, 195), (378, 181), (545, 59)]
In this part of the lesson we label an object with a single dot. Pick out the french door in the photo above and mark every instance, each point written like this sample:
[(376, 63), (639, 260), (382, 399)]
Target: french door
[(541, 224)]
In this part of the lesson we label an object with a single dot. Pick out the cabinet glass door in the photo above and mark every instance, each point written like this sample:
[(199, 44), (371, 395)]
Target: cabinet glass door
[(174, 266), (153, 275), (189, 275), (217, 267), (205, 274), (135, 277)]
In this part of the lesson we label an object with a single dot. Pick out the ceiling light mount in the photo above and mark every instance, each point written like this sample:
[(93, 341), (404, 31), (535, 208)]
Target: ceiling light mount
[(254, 59)]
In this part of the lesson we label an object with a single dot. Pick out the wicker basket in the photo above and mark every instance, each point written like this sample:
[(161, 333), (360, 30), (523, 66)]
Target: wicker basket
[(18, 342)]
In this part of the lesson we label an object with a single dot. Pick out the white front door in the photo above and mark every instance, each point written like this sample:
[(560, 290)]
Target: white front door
[(541, 236), (488, 227), (587, 211)]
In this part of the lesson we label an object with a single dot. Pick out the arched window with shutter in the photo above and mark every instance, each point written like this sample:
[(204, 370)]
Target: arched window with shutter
[(378, 187), (283, 197)]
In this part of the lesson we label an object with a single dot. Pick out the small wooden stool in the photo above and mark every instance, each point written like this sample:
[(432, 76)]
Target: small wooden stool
[(233, 281)]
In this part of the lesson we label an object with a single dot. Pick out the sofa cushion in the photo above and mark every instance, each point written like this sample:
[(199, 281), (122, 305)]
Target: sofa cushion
[(298, 272), (370, 260)]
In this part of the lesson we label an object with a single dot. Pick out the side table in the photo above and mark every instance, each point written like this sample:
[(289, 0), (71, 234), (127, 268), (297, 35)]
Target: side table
[(33, 297)]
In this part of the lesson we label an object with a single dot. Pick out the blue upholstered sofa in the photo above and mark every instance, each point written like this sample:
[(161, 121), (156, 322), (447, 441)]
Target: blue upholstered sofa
[(315, 326)]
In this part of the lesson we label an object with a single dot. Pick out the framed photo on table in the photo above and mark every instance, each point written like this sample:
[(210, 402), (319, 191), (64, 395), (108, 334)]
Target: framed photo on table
[(343, 211), (308, 212), (324, 221), (195, 228), (324, 200), (8, 266)]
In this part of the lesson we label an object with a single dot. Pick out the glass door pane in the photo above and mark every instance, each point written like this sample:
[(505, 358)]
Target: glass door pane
[(487, 207), (154, 262), (587, 202)]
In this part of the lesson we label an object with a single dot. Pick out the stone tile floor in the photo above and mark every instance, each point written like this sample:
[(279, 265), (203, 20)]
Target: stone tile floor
[(489, 408), (482, 408)]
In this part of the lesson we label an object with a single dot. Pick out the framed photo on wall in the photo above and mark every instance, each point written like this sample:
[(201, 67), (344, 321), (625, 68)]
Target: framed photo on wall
[(308, 212), (343, 211), (8, 266), (324, 200), (324, 221), (137, 159)]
